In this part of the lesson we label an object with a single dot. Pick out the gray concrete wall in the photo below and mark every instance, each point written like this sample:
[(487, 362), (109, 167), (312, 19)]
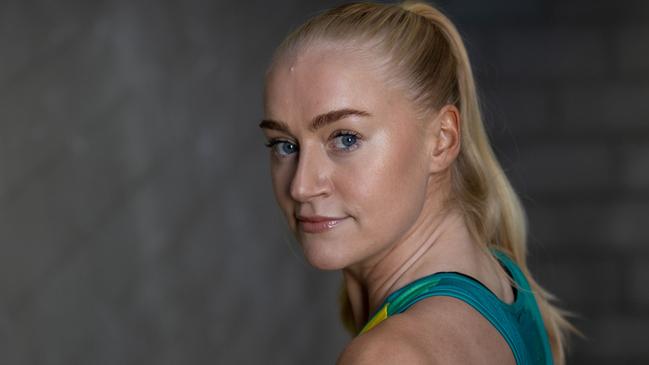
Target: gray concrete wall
[(137, 223)]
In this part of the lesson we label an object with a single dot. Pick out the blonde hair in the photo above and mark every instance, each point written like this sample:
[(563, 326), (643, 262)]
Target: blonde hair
[(425, 50)]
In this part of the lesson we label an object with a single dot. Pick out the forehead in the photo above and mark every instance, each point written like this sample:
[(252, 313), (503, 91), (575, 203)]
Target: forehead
[(322, 78)]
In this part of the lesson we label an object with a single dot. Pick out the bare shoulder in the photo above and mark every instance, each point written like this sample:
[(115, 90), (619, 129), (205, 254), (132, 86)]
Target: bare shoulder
[(437, 330), (387, 343)]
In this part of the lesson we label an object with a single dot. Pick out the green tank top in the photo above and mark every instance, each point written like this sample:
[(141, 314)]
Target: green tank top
[(519, 323)]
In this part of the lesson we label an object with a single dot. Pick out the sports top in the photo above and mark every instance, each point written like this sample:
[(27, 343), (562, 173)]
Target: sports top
[(520, 323)]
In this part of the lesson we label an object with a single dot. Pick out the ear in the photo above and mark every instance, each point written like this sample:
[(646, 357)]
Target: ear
[(444, 137)]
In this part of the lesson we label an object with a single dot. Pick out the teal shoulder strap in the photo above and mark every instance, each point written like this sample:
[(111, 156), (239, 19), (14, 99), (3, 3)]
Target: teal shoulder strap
[(519, 323), (528, 315)]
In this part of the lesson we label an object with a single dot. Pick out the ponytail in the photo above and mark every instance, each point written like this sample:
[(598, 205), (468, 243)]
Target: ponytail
[(491, 207)]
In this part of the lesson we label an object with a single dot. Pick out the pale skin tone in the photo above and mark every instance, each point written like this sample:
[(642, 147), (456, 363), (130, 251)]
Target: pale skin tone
[(384, 170)]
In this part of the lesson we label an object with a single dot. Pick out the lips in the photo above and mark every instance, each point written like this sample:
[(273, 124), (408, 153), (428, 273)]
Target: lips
[(318, 224)]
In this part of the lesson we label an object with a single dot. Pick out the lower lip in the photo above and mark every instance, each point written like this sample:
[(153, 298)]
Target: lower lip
[(319, 227)]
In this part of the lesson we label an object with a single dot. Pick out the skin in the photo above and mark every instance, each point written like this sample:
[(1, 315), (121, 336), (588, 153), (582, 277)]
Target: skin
[(389, 183)]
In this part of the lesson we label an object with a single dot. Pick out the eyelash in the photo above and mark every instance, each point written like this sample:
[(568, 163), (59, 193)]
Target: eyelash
[(357, 137), (274, 142)]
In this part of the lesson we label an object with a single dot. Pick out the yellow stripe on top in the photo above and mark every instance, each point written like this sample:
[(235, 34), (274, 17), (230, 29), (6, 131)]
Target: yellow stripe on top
[(379, 317)]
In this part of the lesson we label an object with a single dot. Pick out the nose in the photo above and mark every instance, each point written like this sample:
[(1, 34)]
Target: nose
[(311, 178)]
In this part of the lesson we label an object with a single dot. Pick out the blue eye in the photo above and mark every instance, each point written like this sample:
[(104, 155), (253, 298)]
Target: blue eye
[(346, 141), (282, 148)]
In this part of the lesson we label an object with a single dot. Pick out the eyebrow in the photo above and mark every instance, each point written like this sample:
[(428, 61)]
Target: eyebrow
[(317, 122)]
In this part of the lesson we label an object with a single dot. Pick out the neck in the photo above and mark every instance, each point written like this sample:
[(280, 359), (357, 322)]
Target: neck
[(436, 242)]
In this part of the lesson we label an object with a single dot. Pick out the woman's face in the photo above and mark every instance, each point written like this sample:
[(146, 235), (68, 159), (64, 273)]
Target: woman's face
[(348, 155)]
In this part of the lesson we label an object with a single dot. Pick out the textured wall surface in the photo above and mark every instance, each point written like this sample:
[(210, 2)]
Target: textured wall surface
[(137, 223)]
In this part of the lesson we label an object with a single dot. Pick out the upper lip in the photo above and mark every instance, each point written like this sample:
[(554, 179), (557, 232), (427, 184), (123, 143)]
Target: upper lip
[(317, 218)]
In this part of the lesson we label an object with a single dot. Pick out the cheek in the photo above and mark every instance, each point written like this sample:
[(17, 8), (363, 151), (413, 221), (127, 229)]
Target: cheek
[(390, 186)]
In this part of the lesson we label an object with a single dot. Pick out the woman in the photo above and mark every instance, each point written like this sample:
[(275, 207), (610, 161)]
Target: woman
[(382, 168)]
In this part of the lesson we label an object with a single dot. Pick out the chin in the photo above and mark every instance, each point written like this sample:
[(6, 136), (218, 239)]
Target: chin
[(325, 258)]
